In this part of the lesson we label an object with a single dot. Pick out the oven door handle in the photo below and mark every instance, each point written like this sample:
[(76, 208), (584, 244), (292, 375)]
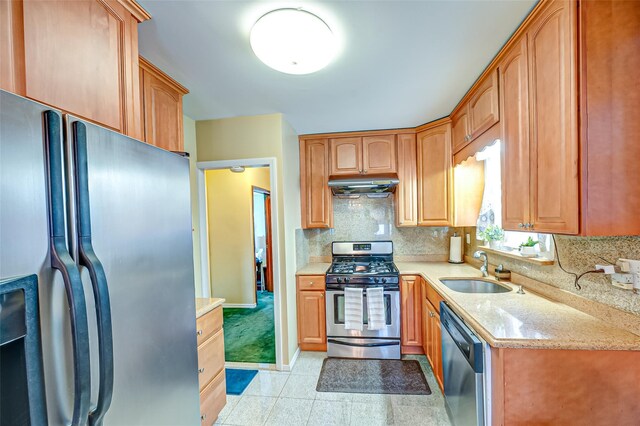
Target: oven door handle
[(363, 345)]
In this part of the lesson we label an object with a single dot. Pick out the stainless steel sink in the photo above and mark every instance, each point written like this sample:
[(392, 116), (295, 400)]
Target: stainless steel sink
[(474, 286)]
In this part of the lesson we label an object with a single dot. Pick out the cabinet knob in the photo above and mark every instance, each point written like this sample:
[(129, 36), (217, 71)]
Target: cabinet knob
[(521, 225), (531, 226), (365, 171), (199, 333), (203, 417), (201, 370), (321, 294)]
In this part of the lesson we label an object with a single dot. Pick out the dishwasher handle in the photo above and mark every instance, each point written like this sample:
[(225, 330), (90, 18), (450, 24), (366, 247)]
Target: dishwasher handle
[(464, 338)]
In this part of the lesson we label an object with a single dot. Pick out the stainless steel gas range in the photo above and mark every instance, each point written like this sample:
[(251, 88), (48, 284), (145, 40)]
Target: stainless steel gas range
[(361, 265)]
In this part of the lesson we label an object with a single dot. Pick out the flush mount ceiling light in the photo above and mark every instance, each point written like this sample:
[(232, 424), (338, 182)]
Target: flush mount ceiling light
[(293, 41), (236, 169)]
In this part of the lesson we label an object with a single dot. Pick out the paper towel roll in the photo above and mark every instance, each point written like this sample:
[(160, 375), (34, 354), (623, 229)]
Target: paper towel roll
[(455, 250)]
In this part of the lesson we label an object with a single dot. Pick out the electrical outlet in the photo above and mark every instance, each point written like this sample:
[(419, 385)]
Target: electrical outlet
[(468, 238), (623, 281), (624, 265)]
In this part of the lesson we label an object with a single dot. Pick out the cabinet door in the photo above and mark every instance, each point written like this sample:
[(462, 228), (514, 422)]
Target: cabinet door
[(460, 128), (379, 154), (162, 114), (514, 103), (430, 345), (425, 318), (407, 190), (315, 195), (434, 176), (346, 156), (411, 318), (483, 106), (436, 331), (553, 119), (82, 57), (312, 333)]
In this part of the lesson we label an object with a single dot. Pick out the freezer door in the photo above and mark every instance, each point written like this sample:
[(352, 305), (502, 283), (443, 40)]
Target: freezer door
[(27, 233), (140, 216)]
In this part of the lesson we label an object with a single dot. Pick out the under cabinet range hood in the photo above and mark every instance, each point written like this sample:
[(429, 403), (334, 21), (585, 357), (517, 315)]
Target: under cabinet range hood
[(372, 187)]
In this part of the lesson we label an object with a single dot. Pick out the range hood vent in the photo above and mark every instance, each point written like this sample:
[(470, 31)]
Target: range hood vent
[(372, 187)]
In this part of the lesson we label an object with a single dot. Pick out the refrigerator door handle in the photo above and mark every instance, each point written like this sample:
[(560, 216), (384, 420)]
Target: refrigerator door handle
[(62, 261), (90, 260)]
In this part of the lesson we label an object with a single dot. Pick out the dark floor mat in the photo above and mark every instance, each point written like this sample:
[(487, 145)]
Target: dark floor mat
[(390, 376)]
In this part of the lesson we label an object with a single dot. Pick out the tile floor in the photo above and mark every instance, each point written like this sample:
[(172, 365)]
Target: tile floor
[(279, 398)]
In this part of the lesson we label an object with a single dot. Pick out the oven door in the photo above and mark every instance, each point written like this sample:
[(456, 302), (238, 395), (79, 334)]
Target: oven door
[(335, 316)]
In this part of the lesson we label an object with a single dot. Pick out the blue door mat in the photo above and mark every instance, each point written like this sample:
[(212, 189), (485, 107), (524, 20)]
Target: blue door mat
[(238, 379)]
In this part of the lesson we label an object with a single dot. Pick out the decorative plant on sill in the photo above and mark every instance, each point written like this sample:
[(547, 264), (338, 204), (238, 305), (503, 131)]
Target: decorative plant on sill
[(493, 234), (528, 248)]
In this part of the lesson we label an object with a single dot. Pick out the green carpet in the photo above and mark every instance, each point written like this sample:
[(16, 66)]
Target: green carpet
[(249, 334)]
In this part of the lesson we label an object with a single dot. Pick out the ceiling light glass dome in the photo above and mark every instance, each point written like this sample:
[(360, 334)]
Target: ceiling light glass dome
[(293, 41)]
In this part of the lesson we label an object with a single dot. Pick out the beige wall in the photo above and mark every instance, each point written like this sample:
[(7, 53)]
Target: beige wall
[(230, 224), (190, 146), (256, 137)]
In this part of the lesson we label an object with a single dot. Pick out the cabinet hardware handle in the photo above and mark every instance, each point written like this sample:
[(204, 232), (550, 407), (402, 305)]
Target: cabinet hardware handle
[(321, 294), (203, 417), (199, 333), (365, 171), (521, 225), (201, 370), (531, 226)]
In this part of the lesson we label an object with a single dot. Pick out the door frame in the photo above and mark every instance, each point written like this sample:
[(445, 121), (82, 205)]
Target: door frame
[(268, 241), (271, 163)]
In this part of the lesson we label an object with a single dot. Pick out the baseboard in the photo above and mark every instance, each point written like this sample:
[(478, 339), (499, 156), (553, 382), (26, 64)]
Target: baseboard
[(289, 367), (250, 365), (239, 305)]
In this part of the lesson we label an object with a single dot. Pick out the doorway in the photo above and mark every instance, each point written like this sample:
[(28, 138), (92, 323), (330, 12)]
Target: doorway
[(262, 239), (240, 251)]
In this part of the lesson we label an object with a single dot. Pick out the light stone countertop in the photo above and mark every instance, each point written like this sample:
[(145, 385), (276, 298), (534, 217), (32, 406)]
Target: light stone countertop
[(205, 304), (314, 269), (514, 320)]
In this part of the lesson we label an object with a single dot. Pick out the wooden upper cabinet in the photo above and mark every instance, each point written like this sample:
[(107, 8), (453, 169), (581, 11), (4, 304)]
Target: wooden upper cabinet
[(477, 114), (460, 128), (162, 108), (315, 195), (610, 108), (553, 119), (406, 208), (379, 154), (483, 106), (514, 103), (434, 176), (78, 56), (372, 155), (346, 156)]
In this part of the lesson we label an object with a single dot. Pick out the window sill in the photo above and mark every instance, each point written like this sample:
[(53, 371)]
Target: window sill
[(516, 255)]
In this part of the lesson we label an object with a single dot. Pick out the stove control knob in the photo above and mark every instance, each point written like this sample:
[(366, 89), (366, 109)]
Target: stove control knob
[(340, 280), (384, 280), (376, 279), (347, 279)]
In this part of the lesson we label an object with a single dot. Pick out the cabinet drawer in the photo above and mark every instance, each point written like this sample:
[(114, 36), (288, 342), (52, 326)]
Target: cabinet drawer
[(211, 358), (311, 282), (434, 297), (213, 399), (208, 324)]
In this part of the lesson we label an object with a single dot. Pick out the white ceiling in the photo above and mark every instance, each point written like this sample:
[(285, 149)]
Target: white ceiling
[(402, 63)]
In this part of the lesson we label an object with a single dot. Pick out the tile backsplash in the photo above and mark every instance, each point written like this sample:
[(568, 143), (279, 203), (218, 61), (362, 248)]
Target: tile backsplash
[(578, 255), (372, 219)]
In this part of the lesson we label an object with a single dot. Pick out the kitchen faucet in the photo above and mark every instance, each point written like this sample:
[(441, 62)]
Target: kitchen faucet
[(485, 262)]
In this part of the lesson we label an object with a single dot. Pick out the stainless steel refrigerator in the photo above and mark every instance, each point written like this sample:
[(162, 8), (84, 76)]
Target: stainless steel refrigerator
[(105, 222)]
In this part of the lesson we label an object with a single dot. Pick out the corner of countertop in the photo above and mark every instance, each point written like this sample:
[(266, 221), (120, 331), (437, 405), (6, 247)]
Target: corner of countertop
[(207, 304), (314, 268)]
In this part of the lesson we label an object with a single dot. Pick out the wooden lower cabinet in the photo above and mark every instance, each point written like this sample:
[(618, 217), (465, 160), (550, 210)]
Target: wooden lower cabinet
[(559, 387), (410, 315), (312, 324), (213, 389), (432, 334)]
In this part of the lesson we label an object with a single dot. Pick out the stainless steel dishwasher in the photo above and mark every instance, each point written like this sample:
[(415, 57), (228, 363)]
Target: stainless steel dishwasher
[(463, 369)]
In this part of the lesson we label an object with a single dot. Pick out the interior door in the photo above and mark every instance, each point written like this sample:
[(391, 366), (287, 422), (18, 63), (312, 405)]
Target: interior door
[(269, 269)]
